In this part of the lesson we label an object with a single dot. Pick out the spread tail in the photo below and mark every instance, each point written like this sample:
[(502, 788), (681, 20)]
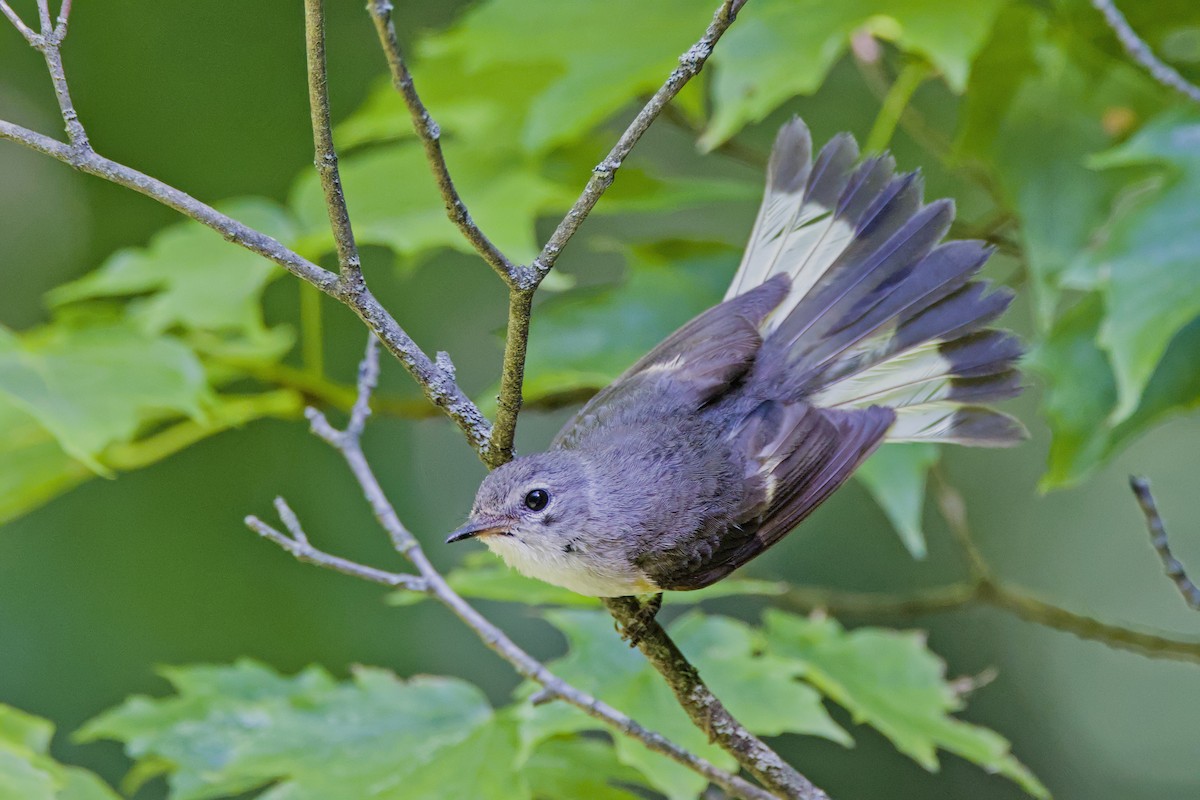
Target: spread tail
[(878, 312)]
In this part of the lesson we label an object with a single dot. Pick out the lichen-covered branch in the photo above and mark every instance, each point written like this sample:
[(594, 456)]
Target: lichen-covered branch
[(1158, 537), (325, 159), (706, 711), (690, 64), (430, 134), (436, 382), (526, 280), (429, 581)]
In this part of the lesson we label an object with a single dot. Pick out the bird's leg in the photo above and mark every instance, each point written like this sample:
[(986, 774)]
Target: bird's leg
[(636, 628)]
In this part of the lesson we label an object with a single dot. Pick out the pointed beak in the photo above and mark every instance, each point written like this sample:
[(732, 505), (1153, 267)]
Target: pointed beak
[(479, 527)]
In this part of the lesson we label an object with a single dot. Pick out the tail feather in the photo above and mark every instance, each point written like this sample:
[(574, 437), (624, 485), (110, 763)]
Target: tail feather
[(878, 312)]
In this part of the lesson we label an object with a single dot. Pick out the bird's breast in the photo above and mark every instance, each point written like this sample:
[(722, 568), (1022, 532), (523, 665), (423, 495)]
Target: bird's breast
[(572, 567)]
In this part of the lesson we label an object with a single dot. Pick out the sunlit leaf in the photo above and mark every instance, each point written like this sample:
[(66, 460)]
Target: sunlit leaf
[(27, 772), (1037, 109), (895, 477), (94, 385), (782, 48), (572, 43), (891, 681), (571, 766), (189, 278), (33, 467), (1148, 260), (232, 729), (1081, 392), (395, 202)]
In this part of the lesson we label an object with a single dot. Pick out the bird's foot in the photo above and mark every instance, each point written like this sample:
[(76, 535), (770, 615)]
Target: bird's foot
[(636, 628)]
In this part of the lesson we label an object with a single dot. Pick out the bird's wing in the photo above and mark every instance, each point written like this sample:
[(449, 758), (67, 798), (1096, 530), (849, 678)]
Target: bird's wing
[(688, 369), (796, 456)]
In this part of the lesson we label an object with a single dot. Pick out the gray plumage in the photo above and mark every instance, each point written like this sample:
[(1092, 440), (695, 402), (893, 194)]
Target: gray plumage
[(846, 325)]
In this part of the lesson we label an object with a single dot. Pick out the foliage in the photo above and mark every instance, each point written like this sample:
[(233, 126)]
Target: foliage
[(27, 772), (1046, 113), (232, 729), (1080, 166)]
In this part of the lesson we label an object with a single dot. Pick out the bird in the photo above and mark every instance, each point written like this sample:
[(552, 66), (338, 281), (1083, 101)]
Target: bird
[(849, 324)]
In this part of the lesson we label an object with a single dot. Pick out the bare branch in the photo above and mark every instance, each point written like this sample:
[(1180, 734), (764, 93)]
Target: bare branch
[(1140, 52), (347, 442), (22, 28), (526, 280), (50, 45), (512, 376), (326, 159), (690, 64), (706, 711), (1158, 537), (305, 552), (64, 14), (44, 15), (368, 379), (437, 385), (430, 135)]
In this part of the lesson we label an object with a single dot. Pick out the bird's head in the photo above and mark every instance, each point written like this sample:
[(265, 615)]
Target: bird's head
[(539, 501)]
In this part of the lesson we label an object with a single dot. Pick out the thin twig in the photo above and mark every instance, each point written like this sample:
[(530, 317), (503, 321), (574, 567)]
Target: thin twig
[(1158, 538), (430, 135), (348, 443), (706, 711), (527, 281), (1140, 52), (990, 592), (326, 159), (64, 14), (311, 555), (22, 28), (439, 387), (690, 64), (437, 384), (512, 376), (50, 44), (44, 15)]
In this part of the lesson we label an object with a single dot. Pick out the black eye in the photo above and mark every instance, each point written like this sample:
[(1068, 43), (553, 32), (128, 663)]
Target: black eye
[(537, 499)]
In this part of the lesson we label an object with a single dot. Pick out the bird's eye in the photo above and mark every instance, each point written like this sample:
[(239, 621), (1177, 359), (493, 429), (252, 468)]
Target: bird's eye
[(537, 499)]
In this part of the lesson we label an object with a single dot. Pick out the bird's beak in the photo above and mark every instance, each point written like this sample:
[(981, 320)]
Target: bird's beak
[(478, 527)]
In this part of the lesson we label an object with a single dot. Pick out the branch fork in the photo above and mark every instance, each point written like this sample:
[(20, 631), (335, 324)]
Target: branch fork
[(494, 443)]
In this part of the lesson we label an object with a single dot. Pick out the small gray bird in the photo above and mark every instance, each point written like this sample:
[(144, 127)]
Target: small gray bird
[(847, 325)]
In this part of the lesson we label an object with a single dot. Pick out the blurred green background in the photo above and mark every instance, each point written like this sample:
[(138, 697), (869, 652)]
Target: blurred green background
[(118, 576)]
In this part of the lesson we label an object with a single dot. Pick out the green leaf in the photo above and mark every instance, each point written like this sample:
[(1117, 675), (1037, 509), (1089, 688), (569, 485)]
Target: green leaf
[(395, 203), (33, 468), (574, 50), (95, 385), (1148, 261), (482, 766), (189, 278), (895, 477), (573, 767), (891, 681), (483, 577), (1036, 109), (27, 772), (1081, 392), (729, 655), (233, 729), (782, 48)]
